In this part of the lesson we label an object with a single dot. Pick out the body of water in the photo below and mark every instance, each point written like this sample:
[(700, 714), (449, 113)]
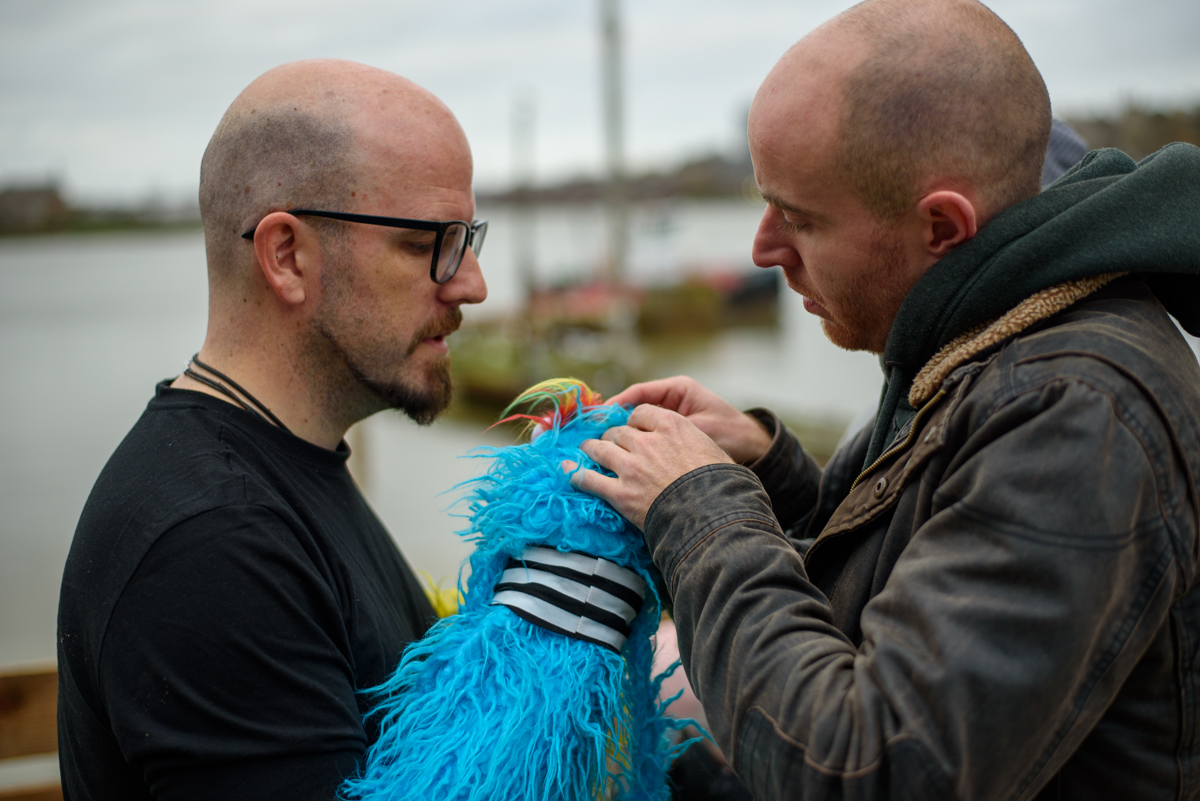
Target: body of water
[(88, 325)]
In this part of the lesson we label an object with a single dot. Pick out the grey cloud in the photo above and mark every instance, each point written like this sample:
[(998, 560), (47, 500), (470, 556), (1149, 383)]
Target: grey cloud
[(119, 96)]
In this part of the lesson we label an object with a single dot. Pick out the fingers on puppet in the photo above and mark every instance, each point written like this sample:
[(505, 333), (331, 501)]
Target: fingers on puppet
[(541, 686)]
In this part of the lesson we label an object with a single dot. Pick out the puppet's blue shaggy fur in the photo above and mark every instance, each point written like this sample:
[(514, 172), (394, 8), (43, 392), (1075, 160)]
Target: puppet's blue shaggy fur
[(490, 706)]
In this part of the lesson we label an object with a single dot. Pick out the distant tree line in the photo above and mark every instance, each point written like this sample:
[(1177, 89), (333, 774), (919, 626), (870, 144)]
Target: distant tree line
[(1137, 130), (1140, 131), (42, 209)]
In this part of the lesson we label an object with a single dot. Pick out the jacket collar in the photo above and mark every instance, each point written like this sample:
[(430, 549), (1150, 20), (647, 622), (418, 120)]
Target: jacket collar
[(969, 344), (1105, 213)]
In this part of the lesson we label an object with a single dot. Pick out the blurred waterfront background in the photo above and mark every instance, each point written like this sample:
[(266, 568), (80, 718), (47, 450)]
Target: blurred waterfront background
[(107, 107)]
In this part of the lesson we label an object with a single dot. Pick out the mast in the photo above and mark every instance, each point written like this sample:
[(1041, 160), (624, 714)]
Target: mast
[(614, 141), (523, 160), (623, 347)]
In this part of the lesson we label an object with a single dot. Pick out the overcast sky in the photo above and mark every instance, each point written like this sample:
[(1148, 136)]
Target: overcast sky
[(117, 98)]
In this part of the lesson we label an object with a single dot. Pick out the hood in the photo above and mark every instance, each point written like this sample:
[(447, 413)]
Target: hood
[(1107, 214)]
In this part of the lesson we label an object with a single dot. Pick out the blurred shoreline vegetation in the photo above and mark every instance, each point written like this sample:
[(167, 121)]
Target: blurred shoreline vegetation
[(575, 331), (1139, 130), (711, 176), (30, 208), (33, 209), (607, 336)]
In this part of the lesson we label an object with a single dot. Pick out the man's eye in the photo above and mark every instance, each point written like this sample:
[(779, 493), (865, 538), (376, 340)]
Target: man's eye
[(793, 226), (418, 247)]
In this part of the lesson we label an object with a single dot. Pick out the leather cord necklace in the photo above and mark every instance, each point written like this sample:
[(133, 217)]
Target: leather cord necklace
[(258, 408)]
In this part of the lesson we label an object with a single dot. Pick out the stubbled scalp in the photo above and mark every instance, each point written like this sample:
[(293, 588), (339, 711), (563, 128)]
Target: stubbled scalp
[(268, 157), (946, 92), (298, 137)]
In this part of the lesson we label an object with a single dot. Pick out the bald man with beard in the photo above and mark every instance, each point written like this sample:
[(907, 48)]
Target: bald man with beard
[(229, 593), (991, 591)]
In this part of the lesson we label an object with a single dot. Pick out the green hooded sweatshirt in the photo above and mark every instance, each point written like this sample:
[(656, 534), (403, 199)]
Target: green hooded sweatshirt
[(1107, 214)]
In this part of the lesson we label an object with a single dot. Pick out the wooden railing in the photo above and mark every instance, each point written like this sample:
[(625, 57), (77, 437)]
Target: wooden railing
[(29, 725)]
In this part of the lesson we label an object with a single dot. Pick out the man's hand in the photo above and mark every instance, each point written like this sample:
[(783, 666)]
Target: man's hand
[(656, 447), (739, 434)]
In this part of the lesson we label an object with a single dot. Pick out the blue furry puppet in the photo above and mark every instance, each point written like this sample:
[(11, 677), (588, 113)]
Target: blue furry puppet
[(540, 686)]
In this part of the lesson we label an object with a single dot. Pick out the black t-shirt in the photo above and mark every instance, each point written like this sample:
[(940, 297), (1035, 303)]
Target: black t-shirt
[(227, 596)]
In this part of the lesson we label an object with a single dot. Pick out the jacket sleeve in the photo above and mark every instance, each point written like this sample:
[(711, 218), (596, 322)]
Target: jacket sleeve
[(788, 473), (1005, 629)]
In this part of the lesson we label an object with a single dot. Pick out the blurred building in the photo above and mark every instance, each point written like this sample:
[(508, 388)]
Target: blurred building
[(32, 208)]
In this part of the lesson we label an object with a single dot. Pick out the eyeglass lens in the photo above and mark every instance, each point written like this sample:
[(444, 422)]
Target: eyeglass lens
[(480, 233), (454, 243), (454, 247)]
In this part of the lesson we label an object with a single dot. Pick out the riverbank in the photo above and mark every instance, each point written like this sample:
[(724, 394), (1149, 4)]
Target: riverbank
[(90, 322)]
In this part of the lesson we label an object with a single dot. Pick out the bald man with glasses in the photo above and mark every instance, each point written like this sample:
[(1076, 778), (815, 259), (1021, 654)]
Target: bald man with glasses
[(229, 593)]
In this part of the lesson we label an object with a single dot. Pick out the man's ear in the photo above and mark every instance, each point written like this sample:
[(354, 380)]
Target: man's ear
[(948, 219), (289, 255)]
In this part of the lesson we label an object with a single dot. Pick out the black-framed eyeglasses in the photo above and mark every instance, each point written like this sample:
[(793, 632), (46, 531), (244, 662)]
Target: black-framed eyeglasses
[(449, 246)]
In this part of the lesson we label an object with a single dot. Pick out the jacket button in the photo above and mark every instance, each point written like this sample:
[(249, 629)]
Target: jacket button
[(880, 486)]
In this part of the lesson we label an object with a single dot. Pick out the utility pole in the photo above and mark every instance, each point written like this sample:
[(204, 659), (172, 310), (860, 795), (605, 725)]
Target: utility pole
[(614, 140), (624, 350), (523, 164)]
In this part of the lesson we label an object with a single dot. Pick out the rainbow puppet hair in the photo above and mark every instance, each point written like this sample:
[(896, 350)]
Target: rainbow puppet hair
[(540, 686)]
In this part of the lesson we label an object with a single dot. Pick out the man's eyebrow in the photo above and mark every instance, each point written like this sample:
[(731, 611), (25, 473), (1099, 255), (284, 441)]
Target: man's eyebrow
[(783, 205)]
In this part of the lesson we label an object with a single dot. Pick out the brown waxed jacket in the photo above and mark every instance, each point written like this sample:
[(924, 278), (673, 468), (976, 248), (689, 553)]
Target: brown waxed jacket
[(1004, 606)]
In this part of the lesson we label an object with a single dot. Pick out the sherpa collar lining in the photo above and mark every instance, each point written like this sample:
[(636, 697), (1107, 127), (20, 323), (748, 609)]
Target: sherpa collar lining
[(1034, 309)]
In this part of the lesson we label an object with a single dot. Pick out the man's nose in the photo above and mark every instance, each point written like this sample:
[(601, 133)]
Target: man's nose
[(770, 248), (467, 285)]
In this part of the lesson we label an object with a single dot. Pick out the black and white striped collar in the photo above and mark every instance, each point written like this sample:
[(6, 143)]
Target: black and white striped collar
[(574, 594)]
